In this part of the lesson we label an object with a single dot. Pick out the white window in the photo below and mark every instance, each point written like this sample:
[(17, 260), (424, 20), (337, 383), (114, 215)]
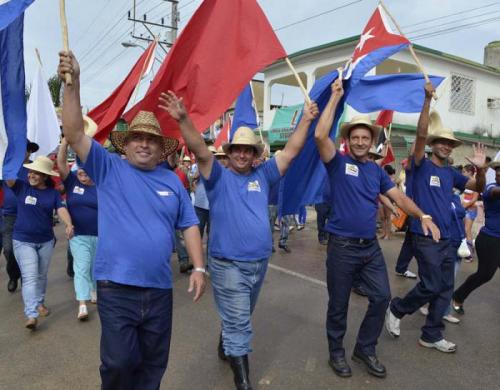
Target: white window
[(462, 94)]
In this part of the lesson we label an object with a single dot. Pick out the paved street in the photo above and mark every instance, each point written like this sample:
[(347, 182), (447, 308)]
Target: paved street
[(290, 349)]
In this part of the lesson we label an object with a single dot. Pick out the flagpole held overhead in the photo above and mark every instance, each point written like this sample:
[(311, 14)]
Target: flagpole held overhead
[(410, 47), (64, 29), (299, 81)]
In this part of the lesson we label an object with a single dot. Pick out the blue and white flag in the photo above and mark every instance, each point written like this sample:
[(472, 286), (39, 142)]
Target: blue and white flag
[(11, 9), (244, 112), (13, 103)]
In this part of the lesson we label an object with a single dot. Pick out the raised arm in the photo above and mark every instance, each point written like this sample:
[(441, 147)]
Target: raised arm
[(175, 107), (326, 146), (72, 119), (62, 159), (479, 161), (298, 138), (423, 125)]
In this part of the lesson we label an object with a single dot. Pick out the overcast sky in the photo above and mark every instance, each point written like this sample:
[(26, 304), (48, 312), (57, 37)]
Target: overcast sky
[(97, 28)]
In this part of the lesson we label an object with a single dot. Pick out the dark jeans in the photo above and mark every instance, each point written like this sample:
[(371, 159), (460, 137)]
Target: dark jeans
[(345, 260), (203, 217), (135, 339), (488, 261), (8, 249), (406, 254), (182, 255), (436, 263), (323, 211)]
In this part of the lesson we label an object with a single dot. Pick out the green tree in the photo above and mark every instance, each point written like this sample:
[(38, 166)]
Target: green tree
[(55, 84)]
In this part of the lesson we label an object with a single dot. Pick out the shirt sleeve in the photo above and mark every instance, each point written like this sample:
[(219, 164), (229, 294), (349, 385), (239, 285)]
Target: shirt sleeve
[(487, 191), (18, 187), (98, 163), (69, 181), (215, 175), (459, 180), (271, 171), (385, 181), (57, 200), (186, 216), (334, 162)]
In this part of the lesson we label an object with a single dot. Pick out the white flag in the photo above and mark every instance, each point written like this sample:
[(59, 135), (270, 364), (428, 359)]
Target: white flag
[(490, 173), (43, 126)]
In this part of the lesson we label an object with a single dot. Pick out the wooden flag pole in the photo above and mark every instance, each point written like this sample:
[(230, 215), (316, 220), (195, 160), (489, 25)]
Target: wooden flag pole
[(410, 47), (299, 81), (64, 28), (389, 132)]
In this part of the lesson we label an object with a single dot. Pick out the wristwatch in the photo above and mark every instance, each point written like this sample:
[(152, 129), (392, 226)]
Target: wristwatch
[(200, 269)]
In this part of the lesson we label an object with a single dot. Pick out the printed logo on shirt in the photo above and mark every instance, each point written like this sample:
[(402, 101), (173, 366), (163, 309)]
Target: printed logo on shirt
[(78, 190), (435, 181), (165, 193), (351, 170), (254, 186), (30, 200)]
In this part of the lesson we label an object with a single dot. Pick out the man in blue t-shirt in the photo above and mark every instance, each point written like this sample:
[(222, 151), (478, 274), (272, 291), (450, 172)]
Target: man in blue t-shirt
[(432, 190), (141, 205), (353, 250), (9, 219), (240, 238)]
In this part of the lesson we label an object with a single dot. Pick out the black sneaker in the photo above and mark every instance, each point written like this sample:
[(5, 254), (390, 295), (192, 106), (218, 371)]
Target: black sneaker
[(285, 248), (373, 366), (12, 285)]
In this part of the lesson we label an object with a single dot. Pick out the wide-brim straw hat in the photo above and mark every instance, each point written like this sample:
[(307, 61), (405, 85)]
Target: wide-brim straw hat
[(373, 152), (144, 122), (245, 136), (42, 164), (360, 121), (186, 159), (438, 131), (89, 126), (220, 152), (494, 164), (212, 149)]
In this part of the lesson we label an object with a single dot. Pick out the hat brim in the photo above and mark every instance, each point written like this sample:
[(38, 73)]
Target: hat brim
[(34, 167), (347, 127), (89, 126), (431, 138), (494, 164), (376, 156), (259, 148), (118, 139)]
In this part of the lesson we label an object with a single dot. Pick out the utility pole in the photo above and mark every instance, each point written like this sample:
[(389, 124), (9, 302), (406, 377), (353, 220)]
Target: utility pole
[(169, 32)]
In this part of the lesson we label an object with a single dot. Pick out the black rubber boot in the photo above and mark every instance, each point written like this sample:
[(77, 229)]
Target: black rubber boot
[(239, 365), (220, 350)]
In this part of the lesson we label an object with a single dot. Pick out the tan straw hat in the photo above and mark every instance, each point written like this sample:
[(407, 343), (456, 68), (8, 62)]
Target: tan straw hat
[(186, 159), (212, 149), (42, 164), (373, 152), (220, 152), (245, 136), (438, 131), (89, 126), (360, 121), (144, 122)]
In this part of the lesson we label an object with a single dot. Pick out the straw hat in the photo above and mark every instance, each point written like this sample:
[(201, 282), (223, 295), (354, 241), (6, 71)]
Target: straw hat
[(438, 131), (186, 159), (245, 136), (362, 121), (373, 152), (42, 164), (89, 126), (212, 149), (144, 122), (220, 152)]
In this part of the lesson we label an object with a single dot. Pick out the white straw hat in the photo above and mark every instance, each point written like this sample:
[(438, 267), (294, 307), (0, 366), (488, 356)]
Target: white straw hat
[(438, 131), (245, 136)]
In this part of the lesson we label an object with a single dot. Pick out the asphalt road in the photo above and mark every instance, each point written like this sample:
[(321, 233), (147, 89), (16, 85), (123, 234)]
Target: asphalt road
[(290, 349)]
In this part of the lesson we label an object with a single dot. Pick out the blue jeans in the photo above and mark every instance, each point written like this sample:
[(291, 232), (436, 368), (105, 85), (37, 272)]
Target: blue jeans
[(406, 254), (236, 286), (83, 249), (136, 325), (455, 245), (345, 260), (323, 211), (285, 223), (435, 270), (203, 216), (182, 255), (34, 261)]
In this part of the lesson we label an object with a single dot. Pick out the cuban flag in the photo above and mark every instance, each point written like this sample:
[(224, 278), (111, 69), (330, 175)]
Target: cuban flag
[(377, 42), (13, 103), (244, 112)]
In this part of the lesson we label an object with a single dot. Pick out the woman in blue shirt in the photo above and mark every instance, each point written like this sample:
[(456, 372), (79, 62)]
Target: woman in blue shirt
[(81, 198), (33, 236), (487, 243)]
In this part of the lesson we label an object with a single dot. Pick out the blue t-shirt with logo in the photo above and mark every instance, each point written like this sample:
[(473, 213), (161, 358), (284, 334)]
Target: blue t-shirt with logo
[(491, 212), (433, 193), (10, 199), (239, 217), (35, 210), (82, 205), (139, 211), (354, 190)]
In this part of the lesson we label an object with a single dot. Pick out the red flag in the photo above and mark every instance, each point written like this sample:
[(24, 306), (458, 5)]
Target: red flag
[(389, 157), (384, 119), (344, 146), (223, 136), (110, 110), (222, 47)]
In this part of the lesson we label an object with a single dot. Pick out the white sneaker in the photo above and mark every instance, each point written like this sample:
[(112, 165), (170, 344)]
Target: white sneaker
[(451, 319), (93, 297), (424, 310), (441, 345), (407, 274), (83, 313), (392, 323)]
